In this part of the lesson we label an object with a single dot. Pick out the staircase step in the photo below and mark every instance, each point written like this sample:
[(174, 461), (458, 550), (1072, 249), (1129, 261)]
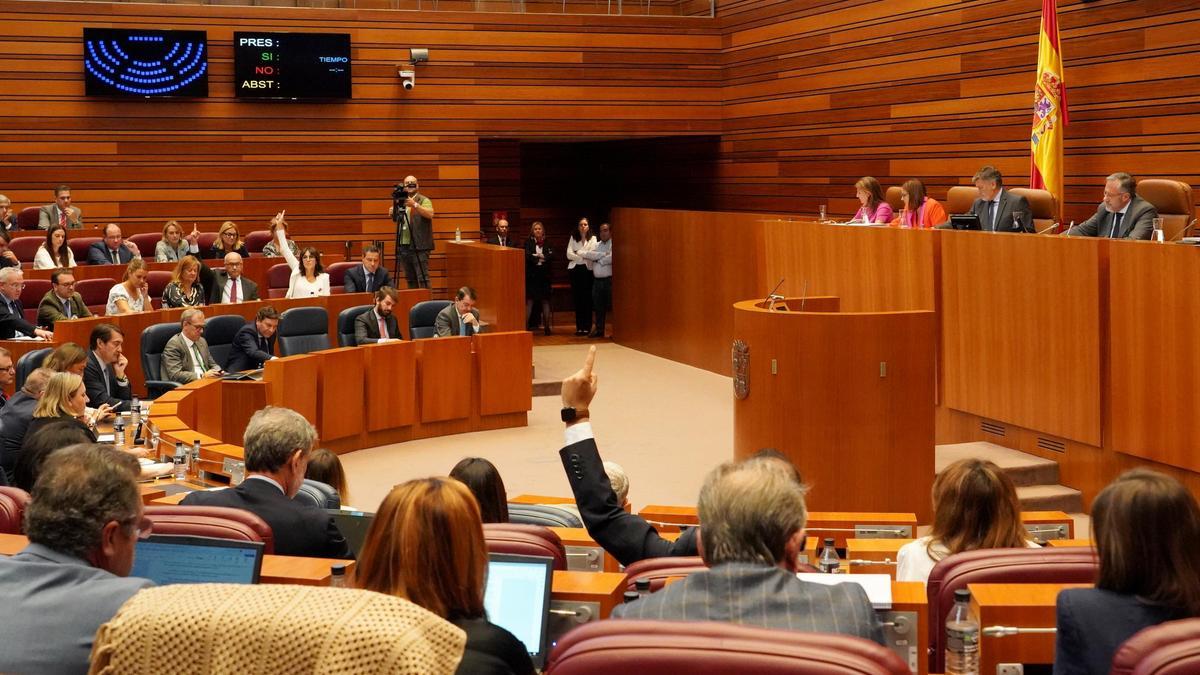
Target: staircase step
[(1050, 498), (1024, 469), (547, 387)]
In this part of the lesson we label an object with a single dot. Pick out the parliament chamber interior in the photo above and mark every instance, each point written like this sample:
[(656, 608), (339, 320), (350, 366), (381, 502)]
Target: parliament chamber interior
[(901, 293)]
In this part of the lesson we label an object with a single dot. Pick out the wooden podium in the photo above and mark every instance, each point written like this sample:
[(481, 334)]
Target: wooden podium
[(848, 396)]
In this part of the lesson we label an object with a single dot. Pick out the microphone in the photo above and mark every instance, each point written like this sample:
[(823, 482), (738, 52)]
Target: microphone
[(1069, 228), (803, 294), (1006, 631), (1053, 226), (772, 298)]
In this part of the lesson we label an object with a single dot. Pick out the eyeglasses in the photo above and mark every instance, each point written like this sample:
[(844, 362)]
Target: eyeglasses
[(9, 367), (144, 527), (229, 234), (198, 326)]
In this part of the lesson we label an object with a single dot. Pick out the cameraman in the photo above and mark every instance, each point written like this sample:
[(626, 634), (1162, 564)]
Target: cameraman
[(414, 231)]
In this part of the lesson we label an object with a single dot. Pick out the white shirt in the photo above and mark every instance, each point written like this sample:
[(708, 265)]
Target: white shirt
[(299, 286), (913, 562), (575, 249), (117, 292), (600, 259), (225, 292), (43, 261), (197, 364)]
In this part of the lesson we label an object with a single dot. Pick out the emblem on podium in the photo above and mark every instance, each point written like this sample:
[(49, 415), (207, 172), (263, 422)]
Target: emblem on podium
[(741, 369)]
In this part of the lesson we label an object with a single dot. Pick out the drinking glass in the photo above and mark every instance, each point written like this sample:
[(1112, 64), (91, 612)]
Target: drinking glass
[(822, 217), (1158, 230)]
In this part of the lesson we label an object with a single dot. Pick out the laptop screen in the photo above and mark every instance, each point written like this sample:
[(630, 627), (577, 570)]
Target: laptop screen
[(171, 559), (517, 598), (353, 525)]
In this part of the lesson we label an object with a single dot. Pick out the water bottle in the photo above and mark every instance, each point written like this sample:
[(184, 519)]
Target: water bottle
[(337, 575), (962, 637), (238, 474), (119, 432), (135, 409), (830, 563), (181, 462), (194, 459), (630, 596), (642, 586), (178, 452), (458, 234)]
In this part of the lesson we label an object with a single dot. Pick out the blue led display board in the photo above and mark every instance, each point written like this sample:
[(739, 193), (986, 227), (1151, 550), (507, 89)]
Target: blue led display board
[(145, 63)]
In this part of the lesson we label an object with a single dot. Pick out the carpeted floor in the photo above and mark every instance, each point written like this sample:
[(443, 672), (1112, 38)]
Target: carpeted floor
[(666, 423)]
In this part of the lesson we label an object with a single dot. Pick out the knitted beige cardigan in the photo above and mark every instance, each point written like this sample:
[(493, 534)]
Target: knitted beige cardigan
[(271, 628)]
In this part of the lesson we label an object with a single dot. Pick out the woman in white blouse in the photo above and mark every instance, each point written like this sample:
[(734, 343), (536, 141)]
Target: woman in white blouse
[(132, 294), (308, 278), (974, 506), (579, 269), (54, 253)]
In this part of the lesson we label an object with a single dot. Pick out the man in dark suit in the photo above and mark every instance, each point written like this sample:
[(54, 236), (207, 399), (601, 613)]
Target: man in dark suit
[(15, 419), (60, 212), (369, 277), (8, 217), (7, 257), (501, 237), (12, 312), (61, 302), (1122, 214), (752, 515), (277, 444), (460, 317), (113, 249), (378, 324), (227, 285), (104, 375), (998, 209), (254, 343), (7, 374), (185, 357)]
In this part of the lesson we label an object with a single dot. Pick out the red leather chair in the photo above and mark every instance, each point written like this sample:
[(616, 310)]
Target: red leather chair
[(960, 198), (95, 293), (1171, 648), (27, 218), (697, 648), (79, 247), (13, 502), (211, 521), (31, 297), (157, 281), (1000, 566), (146, 243), (658, 570), (278, 277), (1043, 205), (525, 540), (337, 275), (25, 247), (205, 241), (257, 240), (1171, 198)]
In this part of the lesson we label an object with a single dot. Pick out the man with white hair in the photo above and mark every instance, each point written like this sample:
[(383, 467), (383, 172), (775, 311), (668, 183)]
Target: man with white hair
[(12, 313)]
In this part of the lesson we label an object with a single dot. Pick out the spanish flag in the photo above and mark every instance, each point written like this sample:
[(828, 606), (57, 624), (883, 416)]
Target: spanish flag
[(1049, 108)]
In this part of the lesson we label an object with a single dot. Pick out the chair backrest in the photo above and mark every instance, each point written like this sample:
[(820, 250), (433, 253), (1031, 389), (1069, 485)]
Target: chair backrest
[(211, 521), (525, 540), (1171, 648), (319, 495), (1043, 205), (27, 218), (658, 570), (691, 647), (146, 242), (95, 293), (25, 248), (346, 319), (154, 340), (257, 240), (893, 198), (337, 272), (205, 241), (545, 515), (29, 362), (13, 502), (218, 332), (422, 316), (79, 246), (960, 198), (1173, 201), (156, 282), (303, 330), (32, 294), (278, 277), (1001, 566)]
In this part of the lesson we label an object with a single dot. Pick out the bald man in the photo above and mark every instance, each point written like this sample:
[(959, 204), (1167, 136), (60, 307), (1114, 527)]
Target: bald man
[(414, 233)]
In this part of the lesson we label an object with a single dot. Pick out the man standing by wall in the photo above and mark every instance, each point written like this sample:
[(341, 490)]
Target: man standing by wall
[(601, 258), (414, 233)]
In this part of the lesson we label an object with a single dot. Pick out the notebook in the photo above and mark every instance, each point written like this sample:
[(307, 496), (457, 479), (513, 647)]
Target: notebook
[(173, 559), (517, 598), (353, 525)]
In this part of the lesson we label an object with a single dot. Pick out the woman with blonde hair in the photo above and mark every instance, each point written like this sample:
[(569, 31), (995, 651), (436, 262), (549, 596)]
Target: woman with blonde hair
[(67, 358), (874, 208), (974, 506), (1146, 529), (132, 294), (228, 241), (173, 245), (920, 210), (66, 398), (54, 253), (184, 289), (426, 545)]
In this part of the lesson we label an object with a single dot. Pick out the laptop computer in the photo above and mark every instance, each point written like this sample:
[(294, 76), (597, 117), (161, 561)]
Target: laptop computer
[(517, 598), (353, 525), (175, 559)]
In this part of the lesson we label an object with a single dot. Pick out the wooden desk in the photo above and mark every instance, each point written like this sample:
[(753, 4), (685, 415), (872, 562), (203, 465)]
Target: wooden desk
[(1070, 543), (541, 499), (883, 550), (841, 525), (1020, 605), (497, 273), (910, 597), (286, 569), (606, 589), (11, 544), (583, 553), (1049, 525)]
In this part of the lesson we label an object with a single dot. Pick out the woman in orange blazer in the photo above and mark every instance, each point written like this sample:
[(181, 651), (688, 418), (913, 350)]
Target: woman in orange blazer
[(927, 212)]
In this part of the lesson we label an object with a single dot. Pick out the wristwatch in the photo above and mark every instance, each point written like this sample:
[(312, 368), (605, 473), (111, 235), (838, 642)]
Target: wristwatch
[(571, 414)]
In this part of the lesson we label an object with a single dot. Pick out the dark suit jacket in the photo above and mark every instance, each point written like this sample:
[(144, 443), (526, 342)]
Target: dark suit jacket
[(492, 650), (494, 240), (215, 280), (116, 395), (1092, 625), (298, 529), (246, 353), (1009, 204), (14, 420), (29, 463), (178, 364), (447, 323), (628, 537), (10, 323), (355, 280), (52, 308), (760, 595), (366, 328), (99, 254), (1137, 223)]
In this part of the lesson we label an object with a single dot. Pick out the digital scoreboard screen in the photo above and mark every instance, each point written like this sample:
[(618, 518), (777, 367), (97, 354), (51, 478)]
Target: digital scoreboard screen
[(291, 65), (145, 63)]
